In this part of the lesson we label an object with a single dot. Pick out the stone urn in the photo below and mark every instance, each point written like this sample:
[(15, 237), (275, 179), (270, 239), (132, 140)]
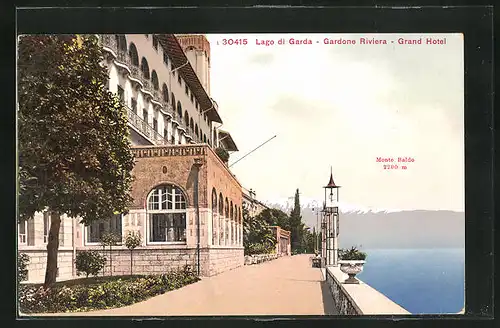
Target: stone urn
[(351, 268)]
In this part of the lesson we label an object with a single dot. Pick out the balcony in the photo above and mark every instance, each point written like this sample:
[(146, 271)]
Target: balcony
[(109, 41), (142, 126), (147, 86)]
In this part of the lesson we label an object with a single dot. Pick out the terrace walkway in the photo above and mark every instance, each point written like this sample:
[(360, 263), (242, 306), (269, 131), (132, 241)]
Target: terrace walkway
[(286, 286)]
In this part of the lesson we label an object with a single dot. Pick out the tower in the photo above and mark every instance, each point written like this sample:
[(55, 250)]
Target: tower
[(197, 50), (331, 222)]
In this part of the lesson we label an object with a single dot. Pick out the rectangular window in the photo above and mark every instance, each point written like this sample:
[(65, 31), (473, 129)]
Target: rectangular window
[(98, 228), (121, 93), (165, 134), (23, 232), (167, 227), (46, 226), (134, 104), (145, 115), (155, 124)]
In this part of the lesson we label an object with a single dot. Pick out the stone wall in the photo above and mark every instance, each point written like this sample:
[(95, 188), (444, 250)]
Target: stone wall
[(158, 259), (38, 264), (150, 260), (224, 259), (358, 299), (343, 303)]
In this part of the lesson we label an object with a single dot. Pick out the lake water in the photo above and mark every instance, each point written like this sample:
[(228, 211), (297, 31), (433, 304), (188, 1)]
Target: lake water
[(423, 281)]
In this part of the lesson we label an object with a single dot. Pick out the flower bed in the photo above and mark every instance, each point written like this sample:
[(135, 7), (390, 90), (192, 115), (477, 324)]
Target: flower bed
[(100, 293)]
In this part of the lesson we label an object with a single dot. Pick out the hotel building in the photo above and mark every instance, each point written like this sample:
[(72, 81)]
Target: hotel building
[(187, 204)]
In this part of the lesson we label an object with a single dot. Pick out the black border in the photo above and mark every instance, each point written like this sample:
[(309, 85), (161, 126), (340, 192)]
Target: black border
[(475, 22)]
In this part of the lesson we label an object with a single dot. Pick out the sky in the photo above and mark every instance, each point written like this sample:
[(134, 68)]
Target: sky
[(341, 106)]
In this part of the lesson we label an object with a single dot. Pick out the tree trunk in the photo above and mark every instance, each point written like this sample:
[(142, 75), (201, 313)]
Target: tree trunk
[(52, 248), (110, 261)]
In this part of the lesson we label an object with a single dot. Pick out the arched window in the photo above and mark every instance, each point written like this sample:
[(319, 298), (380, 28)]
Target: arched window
[(173, 102), (145, 68), (196, 131), (166, 215), (134, 56), (154, 80), (226, 235), (204, 138), (214, 216), (179, 109), (165, 93), (121, 42), (191, 124), (186, 118), (221, 219), (237, 226), (231, 222)]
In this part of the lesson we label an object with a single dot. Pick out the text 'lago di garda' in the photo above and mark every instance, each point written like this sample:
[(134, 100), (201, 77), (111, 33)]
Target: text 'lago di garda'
[(266, 42)]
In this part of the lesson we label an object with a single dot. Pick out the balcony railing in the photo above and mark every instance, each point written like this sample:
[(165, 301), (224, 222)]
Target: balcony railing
[(109, 41), (145, 128), (147, 84), (122, 57)]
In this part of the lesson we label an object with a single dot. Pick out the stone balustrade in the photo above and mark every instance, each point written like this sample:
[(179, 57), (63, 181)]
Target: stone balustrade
[(259, 258), (358, 299)]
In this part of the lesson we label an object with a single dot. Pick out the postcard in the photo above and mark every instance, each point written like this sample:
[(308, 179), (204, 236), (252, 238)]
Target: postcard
[(241, 174)]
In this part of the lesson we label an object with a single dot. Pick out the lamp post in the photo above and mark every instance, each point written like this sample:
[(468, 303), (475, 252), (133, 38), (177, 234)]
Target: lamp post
[(331, 217), (317, 229)]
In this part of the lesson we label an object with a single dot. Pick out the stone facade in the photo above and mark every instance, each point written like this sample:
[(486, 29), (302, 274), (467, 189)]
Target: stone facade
[(159, 116), (36, 247)]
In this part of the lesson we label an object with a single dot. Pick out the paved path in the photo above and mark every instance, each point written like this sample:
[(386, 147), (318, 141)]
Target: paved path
[(286, 286)]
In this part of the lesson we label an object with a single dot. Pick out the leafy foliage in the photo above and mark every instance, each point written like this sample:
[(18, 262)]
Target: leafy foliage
[(222, 153), (132, 240), (22, 267), (351, 254), (69, 162), (89, 263), (258, 236), (296, 226), (102, 293), (275, 217), (110, 239)]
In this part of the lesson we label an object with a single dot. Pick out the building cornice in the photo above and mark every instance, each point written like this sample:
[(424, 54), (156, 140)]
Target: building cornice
[(174, 50)]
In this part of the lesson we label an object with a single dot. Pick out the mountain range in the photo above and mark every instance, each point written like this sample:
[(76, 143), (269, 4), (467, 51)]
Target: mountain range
[(371, 228)]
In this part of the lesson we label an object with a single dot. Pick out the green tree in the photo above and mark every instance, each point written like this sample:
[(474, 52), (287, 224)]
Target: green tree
[(296, 225), (275, 217), (258, 236), (74, 152)]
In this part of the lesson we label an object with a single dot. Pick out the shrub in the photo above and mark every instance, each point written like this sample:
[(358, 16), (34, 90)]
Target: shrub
[(222, 153), (102, 295), (132, 240), (351, 254), (22, 267), (89, 262)]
